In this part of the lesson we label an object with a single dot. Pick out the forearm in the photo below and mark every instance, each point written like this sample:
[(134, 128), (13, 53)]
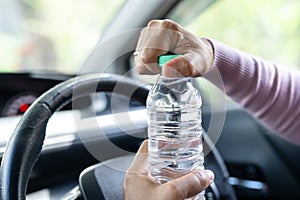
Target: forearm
[(268, 92)]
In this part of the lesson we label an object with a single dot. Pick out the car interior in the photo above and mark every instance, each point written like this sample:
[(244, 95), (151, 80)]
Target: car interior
[(72, 106)]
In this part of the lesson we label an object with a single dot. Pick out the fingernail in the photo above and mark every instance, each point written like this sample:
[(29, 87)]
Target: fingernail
[(210, 175)]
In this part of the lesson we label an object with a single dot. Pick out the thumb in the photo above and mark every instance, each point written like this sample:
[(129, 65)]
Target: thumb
[(192, 183), (189, 64), (177, 67)]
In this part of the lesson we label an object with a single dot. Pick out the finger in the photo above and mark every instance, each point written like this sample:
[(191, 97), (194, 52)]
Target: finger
[(143, 148), (140, 160), (178, 67), (166, 23), (146, 60), (141, 68), (153, 42), (150, 45), (192, 183), (196, 63), (188, 65), (138, 177), (149, 59)]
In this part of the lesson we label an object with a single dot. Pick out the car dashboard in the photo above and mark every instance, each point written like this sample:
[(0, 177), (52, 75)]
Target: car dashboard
[(63, 138), (256, 158)]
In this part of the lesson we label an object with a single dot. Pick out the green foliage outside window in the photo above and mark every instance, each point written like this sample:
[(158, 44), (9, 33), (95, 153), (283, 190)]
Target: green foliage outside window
[(269, 29)]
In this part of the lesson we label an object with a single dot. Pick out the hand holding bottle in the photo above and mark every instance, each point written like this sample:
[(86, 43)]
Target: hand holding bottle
[(139, 184), (162, 36)]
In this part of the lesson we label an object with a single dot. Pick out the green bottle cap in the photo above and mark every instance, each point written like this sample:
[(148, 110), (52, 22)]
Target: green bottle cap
[(163, 59)]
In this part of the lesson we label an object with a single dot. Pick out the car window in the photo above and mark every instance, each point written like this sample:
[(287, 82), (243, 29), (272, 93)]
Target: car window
[(51, 35), (269, 29)]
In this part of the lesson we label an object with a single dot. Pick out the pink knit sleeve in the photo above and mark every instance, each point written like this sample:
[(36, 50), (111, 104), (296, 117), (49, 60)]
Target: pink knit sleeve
[(270, 93)]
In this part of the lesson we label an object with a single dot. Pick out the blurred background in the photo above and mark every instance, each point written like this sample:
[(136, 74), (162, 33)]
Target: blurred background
[(58, 35)]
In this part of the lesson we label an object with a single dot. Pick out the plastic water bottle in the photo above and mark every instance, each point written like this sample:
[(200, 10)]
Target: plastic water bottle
[(174, 127)]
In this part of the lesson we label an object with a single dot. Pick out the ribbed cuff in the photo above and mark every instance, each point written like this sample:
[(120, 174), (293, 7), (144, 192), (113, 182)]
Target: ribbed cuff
[(232, 66)]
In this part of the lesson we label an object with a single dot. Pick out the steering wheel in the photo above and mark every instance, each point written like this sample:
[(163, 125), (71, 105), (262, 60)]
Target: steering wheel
[(24, 146)]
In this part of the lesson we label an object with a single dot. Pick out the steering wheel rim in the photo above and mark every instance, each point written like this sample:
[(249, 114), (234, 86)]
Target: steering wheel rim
[(25, 145)]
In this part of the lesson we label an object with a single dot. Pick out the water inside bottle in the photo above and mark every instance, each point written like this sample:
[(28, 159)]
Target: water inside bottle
[(174, 129), (175, 147)]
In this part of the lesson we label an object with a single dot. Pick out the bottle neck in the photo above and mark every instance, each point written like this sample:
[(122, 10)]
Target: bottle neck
[(162, 79)]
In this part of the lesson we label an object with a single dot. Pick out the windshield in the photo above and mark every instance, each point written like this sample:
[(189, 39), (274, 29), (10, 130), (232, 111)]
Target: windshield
[(51, 35), (268, 29)]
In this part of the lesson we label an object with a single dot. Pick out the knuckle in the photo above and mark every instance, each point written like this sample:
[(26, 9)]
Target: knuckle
[(166, 23), (153, 23), (170, 24)]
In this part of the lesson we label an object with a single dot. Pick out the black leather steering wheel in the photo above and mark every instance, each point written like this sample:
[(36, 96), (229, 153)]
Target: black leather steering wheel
[(24, 147)]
